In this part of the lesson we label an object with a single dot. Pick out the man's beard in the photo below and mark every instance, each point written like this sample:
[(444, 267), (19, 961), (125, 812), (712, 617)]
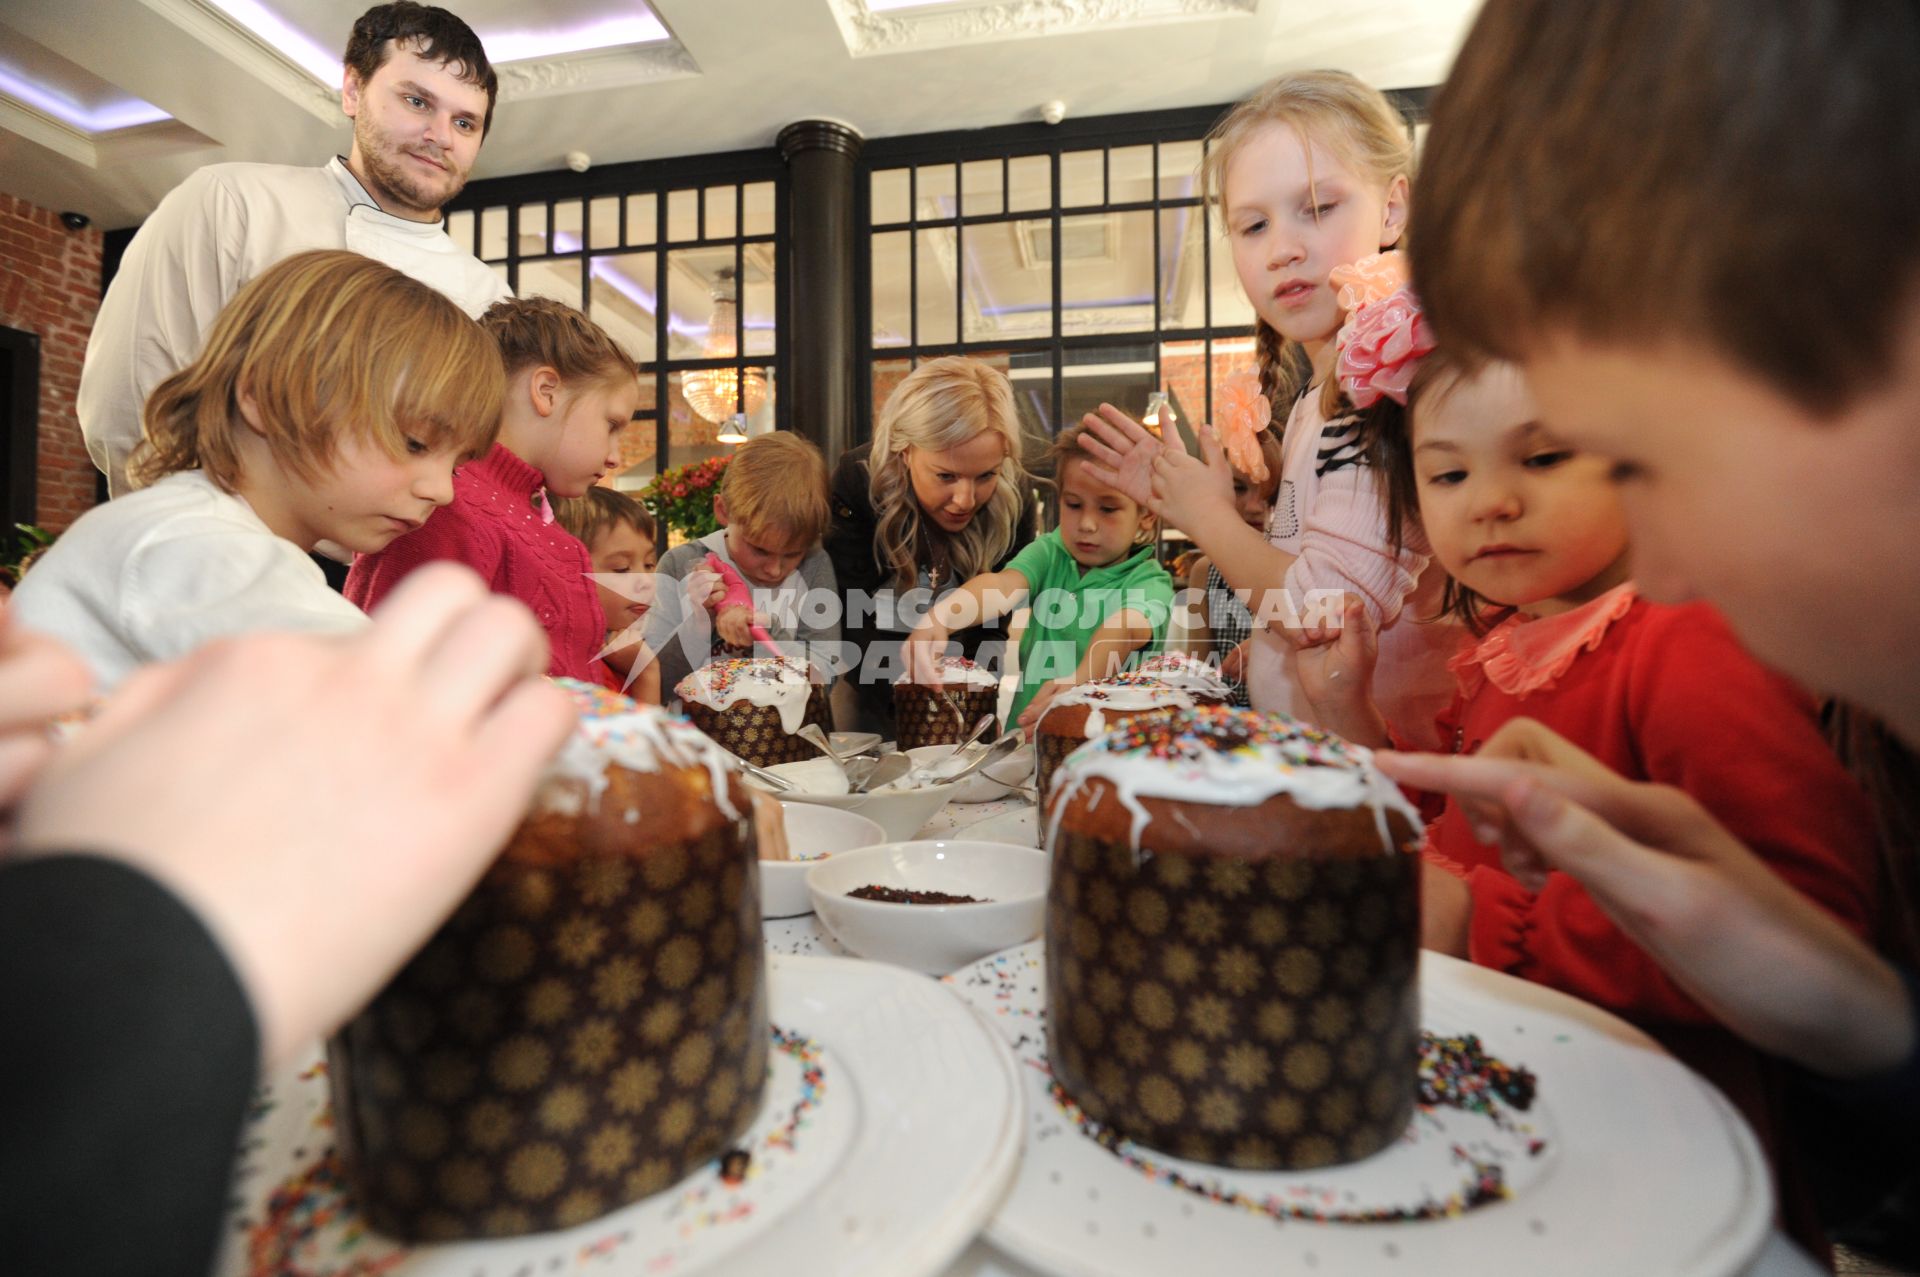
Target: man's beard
[(393, 183)]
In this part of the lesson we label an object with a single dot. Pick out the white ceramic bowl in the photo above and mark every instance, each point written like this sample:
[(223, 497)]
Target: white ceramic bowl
[(813, 833), (899, 812), (992, 781), (1010, 881)]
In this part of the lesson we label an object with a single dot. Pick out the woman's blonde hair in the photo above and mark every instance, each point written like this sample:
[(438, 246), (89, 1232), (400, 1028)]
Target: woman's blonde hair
[(942, 405), (326, 344), (1358, 125)]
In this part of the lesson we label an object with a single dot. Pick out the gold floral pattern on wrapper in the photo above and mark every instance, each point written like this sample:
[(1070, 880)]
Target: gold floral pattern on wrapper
[(755, 733), (573, 1039), (1261, 1014), (938, 715), (1234, 987)]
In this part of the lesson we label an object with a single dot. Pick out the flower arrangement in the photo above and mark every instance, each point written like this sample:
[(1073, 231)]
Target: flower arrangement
[(682, 498)]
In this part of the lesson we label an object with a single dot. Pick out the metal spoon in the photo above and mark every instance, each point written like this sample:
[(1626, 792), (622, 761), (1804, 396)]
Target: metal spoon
[(979, 730), (991, 754), (884, 772), (811, 733), (773, 781)]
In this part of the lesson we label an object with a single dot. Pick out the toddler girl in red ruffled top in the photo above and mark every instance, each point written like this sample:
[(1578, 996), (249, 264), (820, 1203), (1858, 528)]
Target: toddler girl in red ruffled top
[(1534, 538)]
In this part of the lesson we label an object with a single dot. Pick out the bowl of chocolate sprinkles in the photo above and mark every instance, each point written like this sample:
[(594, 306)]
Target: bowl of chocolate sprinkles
[(933, 905)]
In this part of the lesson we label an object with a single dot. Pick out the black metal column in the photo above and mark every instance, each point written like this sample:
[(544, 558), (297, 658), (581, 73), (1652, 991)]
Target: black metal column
[(818, 310)]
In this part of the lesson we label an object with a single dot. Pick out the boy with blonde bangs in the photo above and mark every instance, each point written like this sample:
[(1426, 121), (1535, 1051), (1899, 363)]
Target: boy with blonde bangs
[(621, 539), (313, 413), (773, 506)]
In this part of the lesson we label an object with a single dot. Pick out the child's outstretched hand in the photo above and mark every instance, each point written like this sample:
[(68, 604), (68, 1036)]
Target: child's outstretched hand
[(1029, 720), (1234, 664), (704, 589), (1187, 488), (1123, 452), (1334, 664), (1688, 892), (921, 652)]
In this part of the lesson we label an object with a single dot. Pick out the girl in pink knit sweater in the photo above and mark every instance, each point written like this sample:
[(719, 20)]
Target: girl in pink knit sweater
[(1311, 174), (570, 392)]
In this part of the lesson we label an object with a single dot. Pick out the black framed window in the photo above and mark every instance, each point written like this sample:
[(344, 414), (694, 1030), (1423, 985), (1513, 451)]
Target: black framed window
[(679, 261)]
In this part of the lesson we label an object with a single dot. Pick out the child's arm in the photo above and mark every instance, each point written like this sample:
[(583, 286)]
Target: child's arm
[(983, 599), (1119, 636), (646, 685)]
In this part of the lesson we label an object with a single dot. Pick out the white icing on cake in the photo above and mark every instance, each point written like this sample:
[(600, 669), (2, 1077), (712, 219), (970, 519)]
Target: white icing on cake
[(1128, 694), (958, 671), (778, 681), (1198, 678), (615, 731), (1228, 757)]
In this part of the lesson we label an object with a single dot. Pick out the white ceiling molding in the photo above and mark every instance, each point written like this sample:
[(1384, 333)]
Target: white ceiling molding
[(248, 51), (42, 129), (904, 30), (610, 68)]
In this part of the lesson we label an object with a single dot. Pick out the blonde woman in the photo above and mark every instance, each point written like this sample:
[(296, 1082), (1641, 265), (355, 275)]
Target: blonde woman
[(938, 496)]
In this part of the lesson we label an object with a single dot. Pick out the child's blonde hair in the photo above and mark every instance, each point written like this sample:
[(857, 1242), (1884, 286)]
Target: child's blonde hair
[(1066, 450), (324, 344), (942, 405), (602, 509), (1348, 117), (778, 483), (539, 332)]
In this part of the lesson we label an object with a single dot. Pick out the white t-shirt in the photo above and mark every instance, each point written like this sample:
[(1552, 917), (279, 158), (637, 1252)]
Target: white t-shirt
[(1330, 513), (155, 574), (212, 234)]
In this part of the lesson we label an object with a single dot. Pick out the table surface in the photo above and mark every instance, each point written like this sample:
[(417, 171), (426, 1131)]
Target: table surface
[(805, 935)]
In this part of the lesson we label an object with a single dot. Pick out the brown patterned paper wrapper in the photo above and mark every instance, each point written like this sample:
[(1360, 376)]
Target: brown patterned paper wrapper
[(755, 733), (944, 715), (1256, 1012), (578, 1036)]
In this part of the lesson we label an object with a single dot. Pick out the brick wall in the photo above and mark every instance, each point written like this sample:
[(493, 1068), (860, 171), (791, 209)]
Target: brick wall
[(50, 286)]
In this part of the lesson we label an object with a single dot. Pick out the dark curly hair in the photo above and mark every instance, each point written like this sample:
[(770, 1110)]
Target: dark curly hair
[(433, 33)]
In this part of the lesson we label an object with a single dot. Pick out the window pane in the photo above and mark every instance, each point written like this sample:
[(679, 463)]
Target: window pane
[(720, 212), (1081, 180), (636, 451), (694, 275), (1106, 273), (558, 279), (643, 219), (1031, 373), (892, 319), (1183, 267), (1029, 183), (756, 299), (690, 437), (683, 216), (568, 231), (1120, 375), (625, 300), (1009, 280), (460, 230), (1179, 169), (603, 226), (760, 213), (936, 292), (934, 193), (890, 197), (981, 190), (1183, 375), (532, 230), (1129, 174), (714, 395), (493, 234)]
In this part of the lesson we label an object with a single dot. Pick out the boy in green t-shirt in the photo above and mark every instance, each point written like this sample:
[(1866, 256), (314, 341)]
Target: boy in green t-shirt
[(1097, 593)]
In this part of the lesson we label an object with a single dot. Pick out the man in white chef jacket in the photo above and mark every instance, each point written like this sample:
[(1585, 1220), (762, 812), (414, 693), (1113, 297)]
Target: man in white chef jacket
[(420, 92)]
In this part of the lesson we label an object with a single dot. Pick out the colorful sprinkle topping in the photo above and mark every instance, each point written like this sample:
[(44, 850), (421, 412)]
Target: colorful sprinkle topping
[(1187, 735), (719, 678)]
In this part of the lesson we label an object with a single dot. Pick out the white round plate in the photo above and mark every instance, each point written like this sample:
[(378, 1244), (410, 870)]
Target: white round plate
[(1642, 1168), (890, 1129), (1021, 826)]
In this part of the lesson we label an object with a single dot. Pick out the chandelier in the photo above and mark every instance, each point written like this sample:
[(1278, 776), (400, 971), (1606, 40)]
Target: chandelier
[(716, 394)]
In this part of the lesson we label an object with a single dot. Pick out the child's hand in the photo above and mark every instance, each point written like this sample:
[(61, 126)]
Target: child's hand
[(1123, 452), (1029, 720), (1685, 890), (735, 625), (704, 589), (1187, 488), (1335, 668)]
